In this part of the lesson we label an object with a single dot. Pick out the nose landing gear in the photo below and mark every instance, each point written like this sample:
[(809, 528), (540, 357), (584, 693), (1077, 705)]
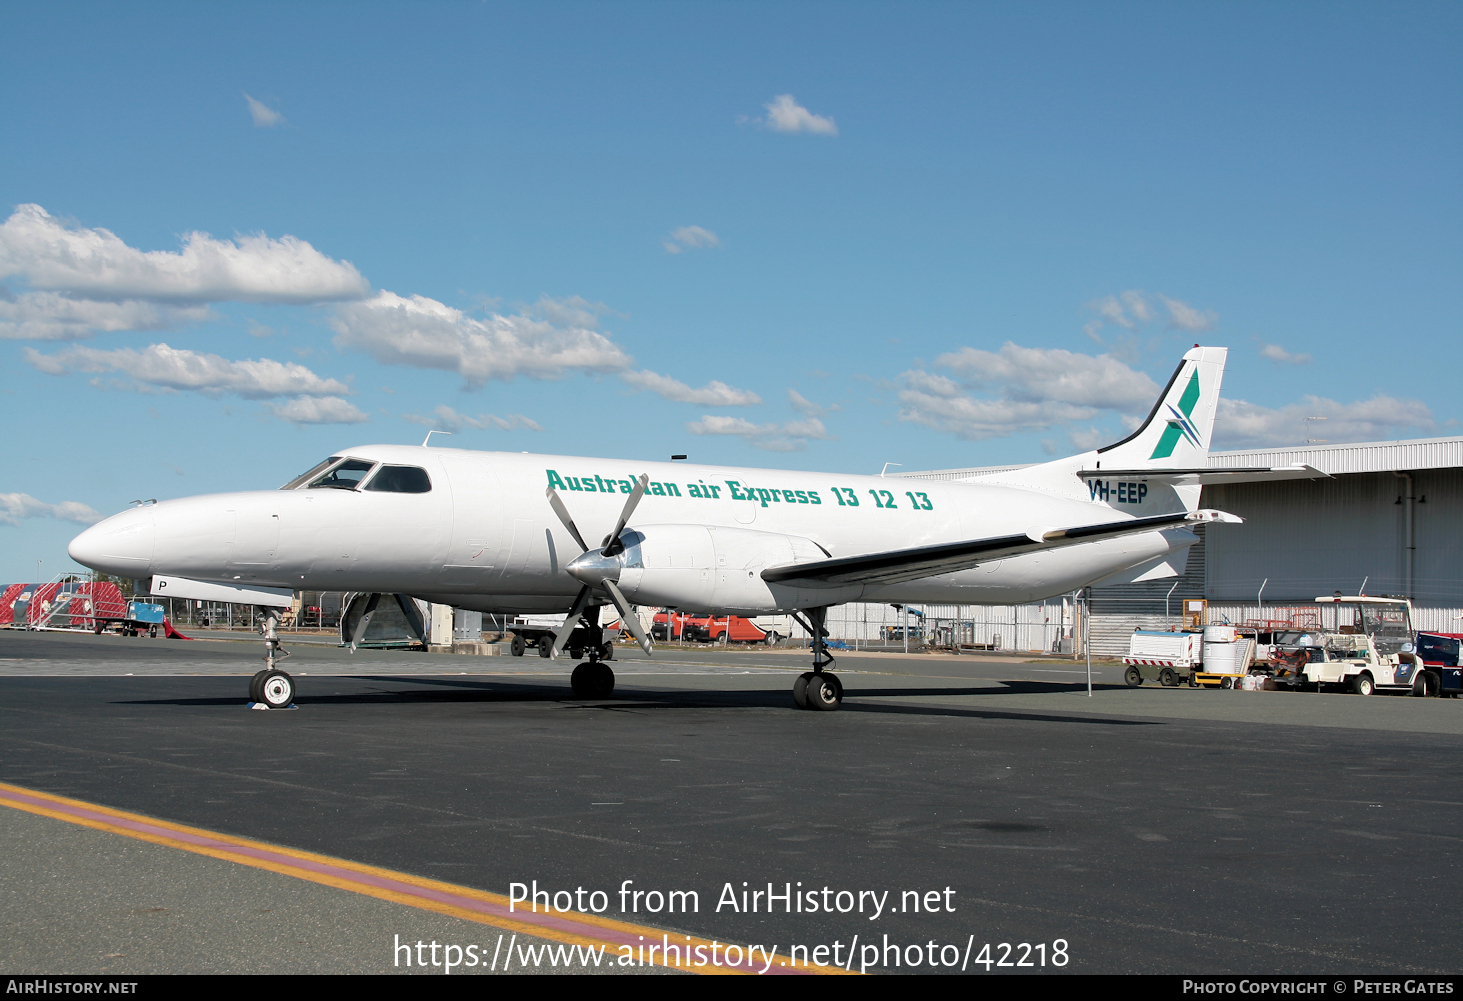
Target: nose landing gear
[(819, 688), (271, 688)]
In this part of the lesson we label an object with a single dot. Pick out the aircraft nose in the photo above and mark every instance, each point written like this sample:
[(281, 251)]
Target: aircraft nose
[(594, 567), (121, 545)]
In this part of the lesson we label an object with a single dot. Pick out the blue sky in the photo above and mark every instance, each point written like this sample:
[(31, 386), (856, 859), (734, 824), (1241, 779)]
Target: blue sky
[(961, 234)]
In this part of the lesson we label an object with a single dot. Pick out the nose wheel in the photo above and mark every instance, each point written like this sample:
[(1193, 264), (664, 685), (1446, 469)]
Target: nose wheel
[(271, 688)]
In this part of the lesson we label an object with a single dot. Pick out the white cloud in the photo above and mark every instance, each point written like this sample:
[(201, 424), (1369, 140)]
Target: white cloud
[(690, 237), (1240, 424), (161, 367), (547, 342), (790, 437), (450, 420), (1131, 308), (14, 507), (264, 116), (49, 316), (1035, 389), (713, 394), (1051, 374), (786, 115), (1278, 354), (1182, 316), (318, 410), (95, 264), (807, 407)]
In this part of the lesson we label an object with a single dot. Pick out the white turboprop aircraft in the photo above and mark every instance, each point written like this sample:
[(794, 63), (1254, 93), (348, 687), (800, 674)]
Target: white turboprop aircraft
[(497, 532)]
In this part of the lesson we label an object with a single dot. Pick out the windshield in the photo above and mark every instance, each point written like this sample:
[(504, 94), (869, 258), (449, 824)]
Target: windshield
[(346, 476), (1388, 626), (401, 480), (307, 476)]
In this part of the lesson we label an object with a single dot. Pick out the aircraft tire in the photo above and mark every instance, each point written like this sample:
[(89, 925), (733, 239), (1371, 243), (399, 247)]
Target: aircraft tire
[(579, 680), (604, 681), (256, 694), (1133, 677), (800, 690), (516, 646), (277, 689), (825, 692)]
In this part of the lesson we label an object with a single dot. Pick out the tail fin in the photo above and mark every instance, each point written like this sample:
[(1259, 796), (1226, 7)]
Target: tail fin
[(1175, 436), (1178, 430)]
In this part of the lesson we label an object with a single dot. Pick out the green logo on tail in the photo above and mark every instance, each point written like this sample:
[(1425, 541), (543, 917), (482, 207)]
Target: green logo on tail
[(1179, 424)]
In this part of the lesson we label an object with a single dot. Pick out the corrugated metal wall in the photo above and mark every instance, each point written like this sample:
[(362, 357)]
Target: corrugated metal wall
[(1313, 537)]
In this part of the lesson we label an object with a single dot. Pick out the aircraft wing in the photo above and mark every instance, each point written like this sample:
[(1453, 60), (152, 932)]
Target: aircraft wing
[(947, 557), (1209, 474)]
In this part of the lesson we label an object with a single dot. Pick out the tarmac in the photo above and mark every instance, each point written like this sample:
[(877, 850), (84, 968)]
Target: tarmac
[(953, 803)]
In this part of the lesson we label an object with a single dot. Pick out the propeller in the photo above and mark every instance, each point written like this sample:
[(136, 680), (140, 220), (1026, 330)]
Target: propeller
[(594, 566)]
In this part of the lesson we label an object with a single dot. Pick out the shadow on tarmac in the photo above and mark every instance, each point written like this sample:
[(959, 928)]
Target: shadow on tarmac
[(466, 692)]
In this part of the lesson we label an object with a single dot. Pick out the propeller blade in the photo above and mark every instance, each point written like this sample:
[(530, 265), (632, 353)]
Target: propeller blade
[(628, 617), (563, 513), (612, 541), (581, 602)]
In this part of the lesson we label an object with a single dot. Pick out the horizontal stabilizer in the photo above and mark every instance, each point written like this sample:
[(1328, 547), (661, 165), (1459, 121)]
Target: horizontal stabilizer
[(1184, 477), (926, 561)]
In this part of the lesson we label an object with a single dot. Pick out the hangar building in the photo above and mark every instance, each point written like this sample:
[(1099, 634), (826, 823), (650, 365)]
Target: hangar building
[(1388, 521)]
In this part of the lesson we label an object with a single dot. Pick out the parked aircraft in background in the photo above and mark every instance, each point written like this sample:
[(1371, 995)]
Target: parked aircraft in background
[(500, 532)]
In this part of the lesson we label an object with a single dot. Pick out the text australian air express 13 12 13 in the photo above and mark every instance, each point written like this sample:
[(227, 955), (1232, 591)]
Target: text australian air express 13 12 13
[(501, 532)]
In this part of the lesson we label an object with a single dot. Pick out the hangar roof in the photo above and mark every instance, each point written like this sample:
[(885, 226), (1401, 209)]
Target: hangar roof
[(1348, 457)]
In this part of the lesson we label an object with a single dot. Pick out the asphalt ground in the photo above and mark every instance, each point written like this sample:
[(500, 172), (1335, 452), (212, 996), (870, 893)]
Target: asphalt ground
[(1149, 830)]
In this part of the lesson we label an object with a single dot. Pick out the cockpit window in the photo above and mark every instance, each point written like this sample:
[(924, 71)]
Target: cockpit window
[(401, 480), (314, 471), (346, 476)]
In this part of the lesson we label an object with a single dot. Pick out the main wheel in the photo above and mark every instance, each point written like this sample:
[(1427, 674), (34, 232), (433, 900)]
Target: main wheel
[(1362, 684), (825, 692), (581, 682), (1133, 677), (516, 646), (277, 689), (604, 681), (256, 694), (607, 652), (545, 646), (1167, 678), (800, 689), (592, 681)]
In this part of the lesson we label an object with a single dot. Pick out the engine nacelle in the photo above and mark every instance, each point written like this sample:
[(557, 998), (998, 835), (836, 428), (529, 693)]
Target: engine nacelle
[(699, 568)]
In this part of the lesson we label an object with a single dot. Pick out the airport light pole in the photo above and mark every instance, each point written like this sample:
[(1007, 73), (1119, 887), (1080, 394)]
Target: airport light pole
[(1087, 634)]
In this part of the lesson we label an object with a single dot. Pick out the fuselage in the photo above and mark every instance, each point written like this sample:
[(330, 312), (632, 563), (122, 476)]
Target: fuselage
[(483, 535)]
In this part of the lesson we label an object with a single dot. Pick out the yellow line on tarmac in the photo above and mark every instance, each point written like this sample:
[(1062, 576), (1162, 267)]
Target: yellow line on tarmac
[(571, 928)]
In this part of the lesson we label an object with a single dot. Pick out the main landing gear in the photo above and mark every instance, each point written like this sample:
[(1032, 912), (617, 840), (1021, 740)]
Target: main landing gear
[(593, 679), (271, 688), (819, 688)]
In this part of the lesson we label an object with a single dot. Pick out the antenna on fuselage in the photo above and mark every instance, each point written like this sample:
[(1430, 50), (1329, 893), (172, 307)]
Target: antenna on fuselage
[(429, 436)]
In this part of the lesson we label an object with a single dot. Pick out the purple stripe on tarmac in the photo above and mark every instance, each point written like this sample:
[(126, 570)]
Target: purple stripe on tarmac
[(547, 921)]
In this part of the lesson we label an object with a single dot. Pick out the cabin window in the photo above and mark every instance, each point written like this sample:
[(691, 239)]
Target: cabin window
[(401, 480), (313, 472), (346, 476)]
